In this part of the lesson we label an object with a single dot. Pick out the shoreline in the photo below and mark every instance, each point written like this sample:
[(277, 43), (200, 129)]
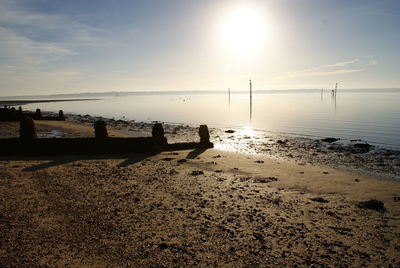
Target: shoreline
[(189, 208), (381, 162)]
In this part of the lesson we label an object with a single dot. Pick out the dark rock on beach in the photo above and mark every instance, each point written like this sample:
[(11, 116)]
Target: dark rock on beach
[(265, 179), (319, 200), (362, 145), (372, 204), (329, 140)]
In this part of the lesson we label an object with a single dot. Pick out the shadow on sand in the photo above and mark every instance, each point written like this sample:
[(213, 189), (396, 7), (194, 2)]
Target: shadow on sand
[(127, 160), (195, 153)]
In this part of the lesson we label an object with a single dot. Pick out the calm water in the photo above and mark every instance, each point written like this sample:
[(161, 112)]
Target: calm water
[(373, 117)]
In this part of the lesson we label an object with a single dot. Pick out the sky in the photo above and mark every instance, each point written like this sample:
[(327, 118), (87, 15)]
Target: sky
[(75, 46)]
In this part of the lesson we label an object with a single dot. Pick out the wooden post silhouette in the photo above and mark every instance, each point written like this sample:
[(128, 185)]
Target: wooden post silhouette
[(61, 115), (158, 135), (204, 137), (27, 129), (38, 114), (100, 129)]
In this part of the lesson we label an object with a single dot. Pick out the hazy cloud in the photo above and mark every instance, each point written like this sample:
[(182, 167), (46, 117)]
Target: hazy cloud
[(373, 62), (341, 64), (323, 70), (16, 49), (316, 72)]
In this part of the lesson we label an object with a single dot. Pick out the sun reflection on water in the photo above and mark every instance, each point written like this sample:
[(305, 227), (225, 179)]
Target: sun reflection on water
[(247, 131), (244, 139)]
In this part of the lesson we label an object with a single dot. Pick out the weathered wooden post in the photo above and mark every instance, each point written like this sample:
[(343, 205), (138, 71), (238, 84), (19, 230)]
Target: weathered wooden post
[(205, 137), (158, 135), (61, 115), (27, 129), (100, 129), (38, 114)]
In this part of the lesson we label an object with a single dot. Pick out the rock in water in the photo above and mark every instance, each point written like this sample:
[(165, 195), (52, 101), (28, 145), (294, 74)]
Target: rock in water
[(360, 148), (329, 140), (362, 145)]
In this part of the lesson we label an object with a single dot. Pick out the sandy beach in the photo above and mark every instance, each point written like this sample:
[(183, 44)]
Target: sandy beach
[(194, 208), (199, 133)]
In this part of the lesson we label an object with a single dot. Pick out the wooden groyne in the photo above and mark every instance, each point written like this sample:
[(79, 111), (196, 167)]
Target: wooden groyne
[(29, 144), (12, 114)]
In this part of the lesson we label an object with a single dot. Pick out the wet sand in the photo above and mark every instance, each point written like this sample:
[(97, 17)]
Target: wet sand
[(190, 208), (342, 154)]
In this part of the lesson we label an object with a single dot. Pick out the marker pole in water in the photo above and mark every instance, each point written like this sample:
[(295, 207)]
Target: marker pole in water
[(335, 89), (251, 100), (229, 96)]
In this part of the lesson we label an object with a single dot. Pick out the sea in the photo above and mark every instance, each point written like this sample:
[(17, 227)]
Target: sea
[(369, 116)]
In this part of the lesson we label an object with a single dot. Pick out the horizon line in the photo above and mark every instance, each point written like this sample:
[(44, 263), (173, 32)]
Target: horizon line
[(171, 92)]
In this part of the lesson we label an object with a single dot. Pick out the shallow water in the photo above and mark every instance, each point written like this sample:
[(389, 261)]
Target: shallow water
[(369, 116)]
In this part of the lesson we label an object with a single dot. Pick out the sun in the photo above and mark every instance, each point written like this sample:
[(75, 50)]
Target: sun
[(243, 31)]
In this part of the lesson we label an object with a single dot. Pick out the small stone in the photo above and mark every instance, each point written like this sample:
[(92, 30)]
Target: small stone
[(319, 200), (281, 142), (163, 246), (265, 180)]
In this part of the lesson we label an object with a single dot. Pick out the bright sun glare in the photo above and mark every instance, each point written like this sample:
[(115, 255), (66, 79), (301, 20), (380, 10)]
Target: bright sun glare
[(243, 31)]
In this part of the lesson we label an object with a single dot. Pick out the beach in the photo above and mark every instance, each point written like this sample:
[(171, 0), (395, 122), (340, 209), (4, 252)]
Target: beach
[(199, 134), (196, 207)]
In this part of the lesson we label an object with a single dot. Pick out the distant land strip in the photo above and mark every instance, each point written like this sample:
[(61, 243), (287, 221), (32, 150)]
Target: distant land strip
[(92, 95), (23, 102)]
